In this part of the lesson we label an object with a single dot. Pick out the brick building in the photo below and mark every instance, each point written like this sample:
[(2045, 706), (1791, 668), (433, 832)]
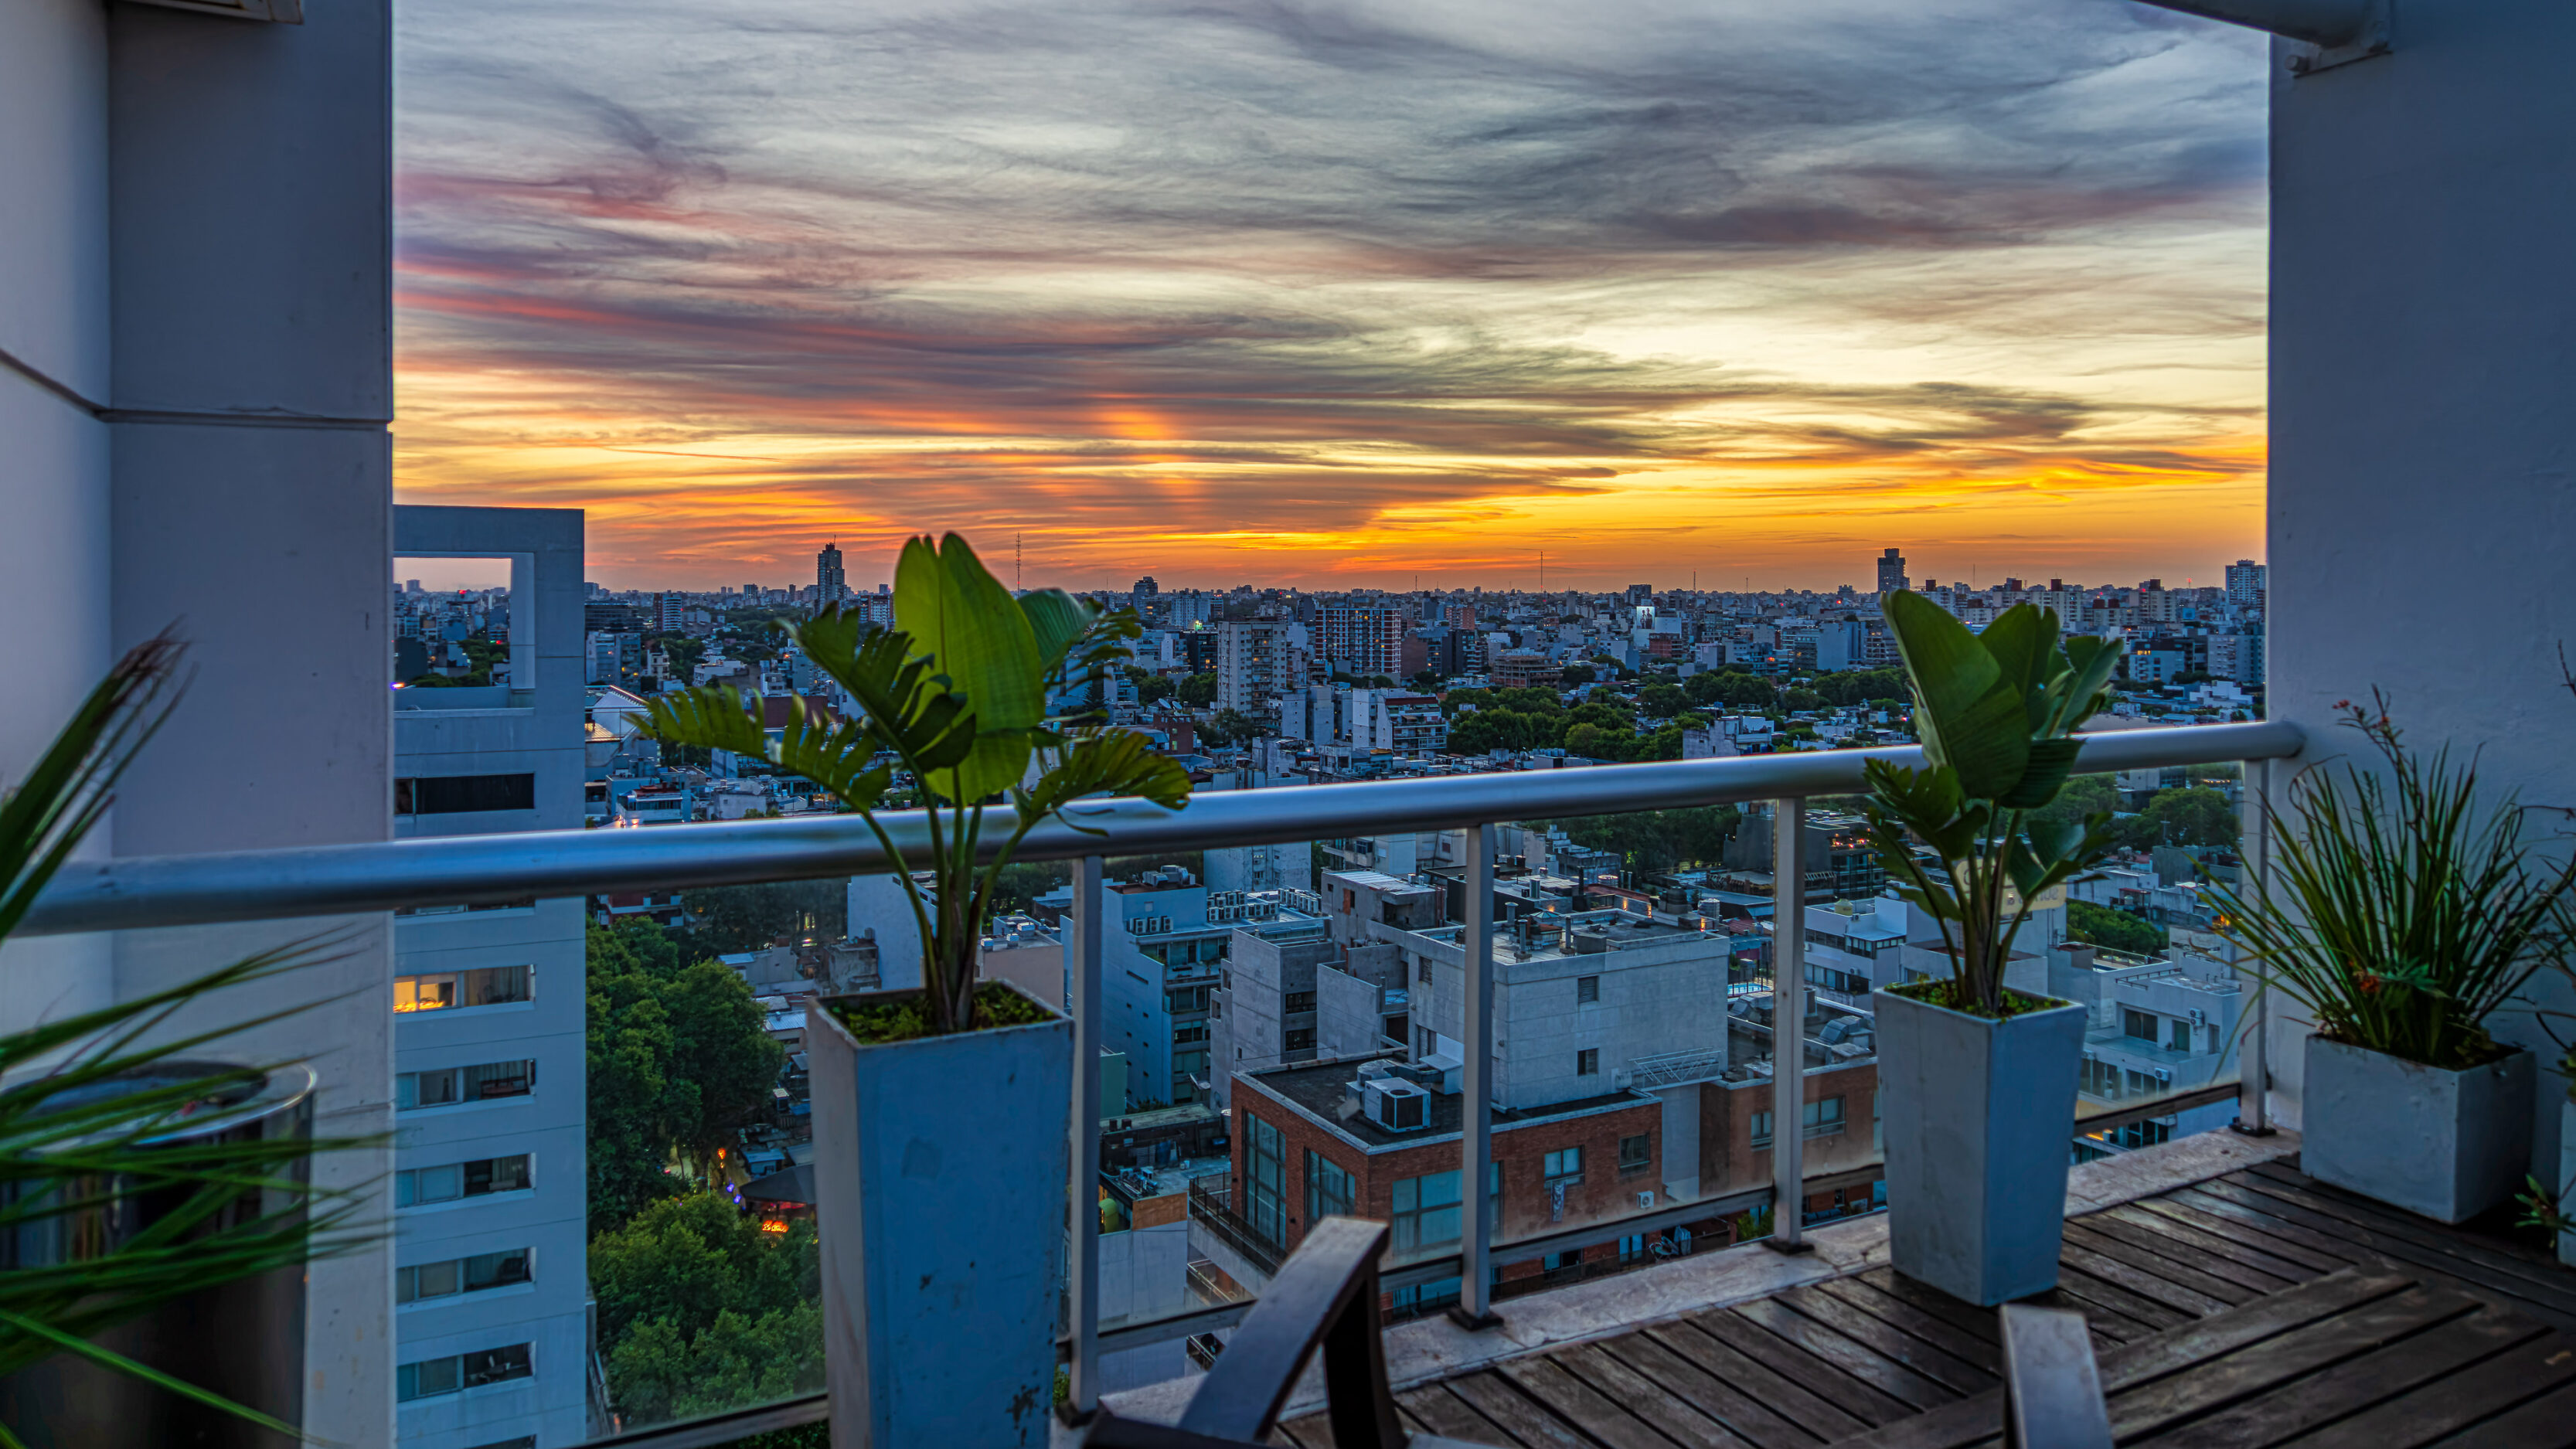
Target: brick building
[(1297, 1158)]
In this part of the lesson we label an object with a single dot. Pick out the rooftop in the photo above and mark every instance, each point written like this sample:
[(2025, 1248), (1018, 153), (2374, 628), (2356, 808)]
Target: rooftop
[(1317, 1088)]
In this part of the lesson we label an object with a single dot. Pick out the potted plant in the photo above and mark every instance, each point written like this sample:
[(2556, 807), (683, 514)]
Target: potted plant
[(2401, 912), (1979, 1079), (155, 1206), (940, 1113)]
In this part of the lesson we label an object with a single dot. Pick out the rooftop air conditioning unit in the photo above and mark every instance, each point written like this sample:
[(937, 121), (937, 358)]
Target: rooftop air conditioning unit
[(2164, 1074), (1396, 1105), (2199, 1017), (1645, 1199)]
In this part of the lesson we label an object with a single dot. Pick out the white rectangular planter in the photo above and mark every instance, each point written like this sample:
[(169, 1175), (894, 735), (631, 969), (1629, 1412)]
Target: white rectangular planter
[(941, 1169), (1980, 1127), (2445, 1144)]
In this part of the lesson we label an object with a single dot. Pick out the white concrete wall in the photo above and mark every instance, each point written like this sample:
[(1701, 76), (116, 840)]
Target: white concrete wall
[(53, 341), (2423, 482)]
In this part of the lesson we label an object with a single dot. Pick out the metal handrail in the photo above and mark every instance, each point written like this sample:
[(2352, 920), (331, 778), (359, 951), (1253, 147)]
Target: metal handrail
[(154, 891)]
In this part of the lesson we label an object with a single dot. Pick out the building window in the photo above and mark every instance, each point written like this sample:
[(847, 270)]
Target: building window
[(1761, 1129), (1267, 1179), (460, 1275), (1424, 1298), (446, 990), (1822, 1119), (456, 1372), (1328, 1189), (1422, 969), (451, 1085), (2181, 1035), (1184, 1035), (478, 1178), (2139, 1024), (1632, 1248), (462, 794), (1564, 1169), (1636, 1154), (1587, 989), (1302, 1039), (1587, 1062), (1426, 1212), (1298, 1001)]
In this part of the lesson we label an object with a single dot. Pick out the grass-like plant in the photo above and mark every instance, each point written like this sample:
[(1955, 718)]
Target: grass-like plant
[(2401, 910), (1997, 714), (955, 699), (117, 1180)]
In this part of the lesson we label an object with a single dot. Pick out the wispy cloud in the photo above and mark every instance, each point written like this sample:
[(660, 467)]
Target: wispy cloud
[(1334, 291)]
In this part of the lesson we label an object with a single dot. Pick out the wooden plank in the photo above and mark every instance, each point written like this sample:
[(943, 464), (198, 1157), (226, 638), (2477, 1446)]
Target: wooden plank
[(2246, 1248), (2092, 1289), (2214, 1384), (1666, 1411), (2173, 1209), (1786, 1395), (1493, 1396), (1959, 1376), (1893, 1379), (2419, 1244), (2202, 1286), (2459, 1401), (2535, 1271), (2226, 1208), (2356, 1385), (1578, 1403), (1967, 1316), (1314, 1431), (1979, 1419), (2541, 1423), (2179, 1298), (2111, 1328), (1712, 1396), (1445, 1414), (2203, 1260), (1978, 1353)]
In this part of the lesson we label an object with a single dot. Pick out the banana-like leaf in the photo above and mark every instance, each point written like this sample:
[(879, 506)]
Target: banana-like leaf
[(1967, 713), (909, 713), (710, 716), (1057, 620), (2087, 682), (972, 631), (996, 761), (1108, 762), (2023, 641), (840, 758), (2051, 761)]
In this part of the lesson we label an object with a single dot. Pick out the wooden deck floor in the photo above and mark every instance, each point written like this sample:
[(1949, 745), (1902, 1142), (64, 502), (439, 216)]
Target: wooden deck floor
[(2256, 1309)]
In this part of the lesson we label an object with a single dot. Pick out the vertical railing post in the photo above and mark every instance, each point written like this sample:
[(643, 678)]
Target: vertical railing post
[(1475, 1307), (1788, 1026), (1082, 1283), (2253, 1094)]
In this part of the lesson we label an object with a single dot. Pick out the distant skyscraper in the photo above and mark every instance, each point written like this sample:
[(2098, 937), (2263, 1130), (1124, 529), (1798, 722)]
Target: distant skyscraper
[(2244, 581), (751, 591), (1146, 588), (829, 586), (1891, 572)]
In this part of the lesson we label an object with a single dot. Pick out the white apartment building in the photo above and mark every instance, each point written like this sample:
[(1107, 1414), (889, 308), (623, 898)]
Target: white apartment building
[(491, 1277), (1258, 660)]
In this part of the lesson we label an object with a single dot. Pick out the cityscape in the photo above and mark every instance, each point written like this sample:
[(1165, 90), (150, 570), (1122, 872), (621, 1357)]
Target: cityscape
[(1250, 990)]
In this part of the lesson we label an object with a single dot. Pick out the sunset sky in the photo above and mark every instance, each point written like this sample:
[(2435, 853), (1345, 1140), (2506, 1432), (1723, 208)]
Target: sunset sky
[(1341, 294)]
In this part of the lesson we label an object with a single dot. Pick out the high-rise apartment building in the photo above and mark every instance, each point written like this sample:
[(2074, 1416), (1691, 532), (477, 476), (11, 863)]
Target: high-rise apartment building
[(1258, 660), (1365, 639), (491, 1277), (2245, 582), (670, 611), (1891, 572), (829, 585)]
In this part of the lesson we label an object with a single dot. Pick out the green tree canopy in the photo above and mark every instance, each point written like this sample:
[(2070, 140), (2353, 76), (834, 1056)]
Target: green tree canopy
[(701, 1310), (1733, 687), (1656, 840), (748, 917), (2194, 816), (1577, 674), (679, 1058), (1198, 691), (2118, 930)]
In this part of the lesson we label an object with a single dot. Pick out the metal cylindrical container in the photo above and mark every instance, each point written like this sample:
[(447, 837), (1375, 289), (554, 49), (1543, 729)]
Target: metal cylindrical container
[(243, 1340)]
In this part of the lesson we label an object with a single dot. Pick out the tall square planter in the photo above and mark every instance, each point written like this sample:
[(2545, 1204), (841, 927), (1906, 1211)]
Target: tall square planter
[(1980, 1127), (941, 1173), (2445, 1144)]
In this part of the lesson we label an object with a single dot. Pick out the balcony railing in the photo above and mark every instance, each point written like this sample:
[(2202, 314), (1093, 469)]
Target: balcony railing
[(134, 893)]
